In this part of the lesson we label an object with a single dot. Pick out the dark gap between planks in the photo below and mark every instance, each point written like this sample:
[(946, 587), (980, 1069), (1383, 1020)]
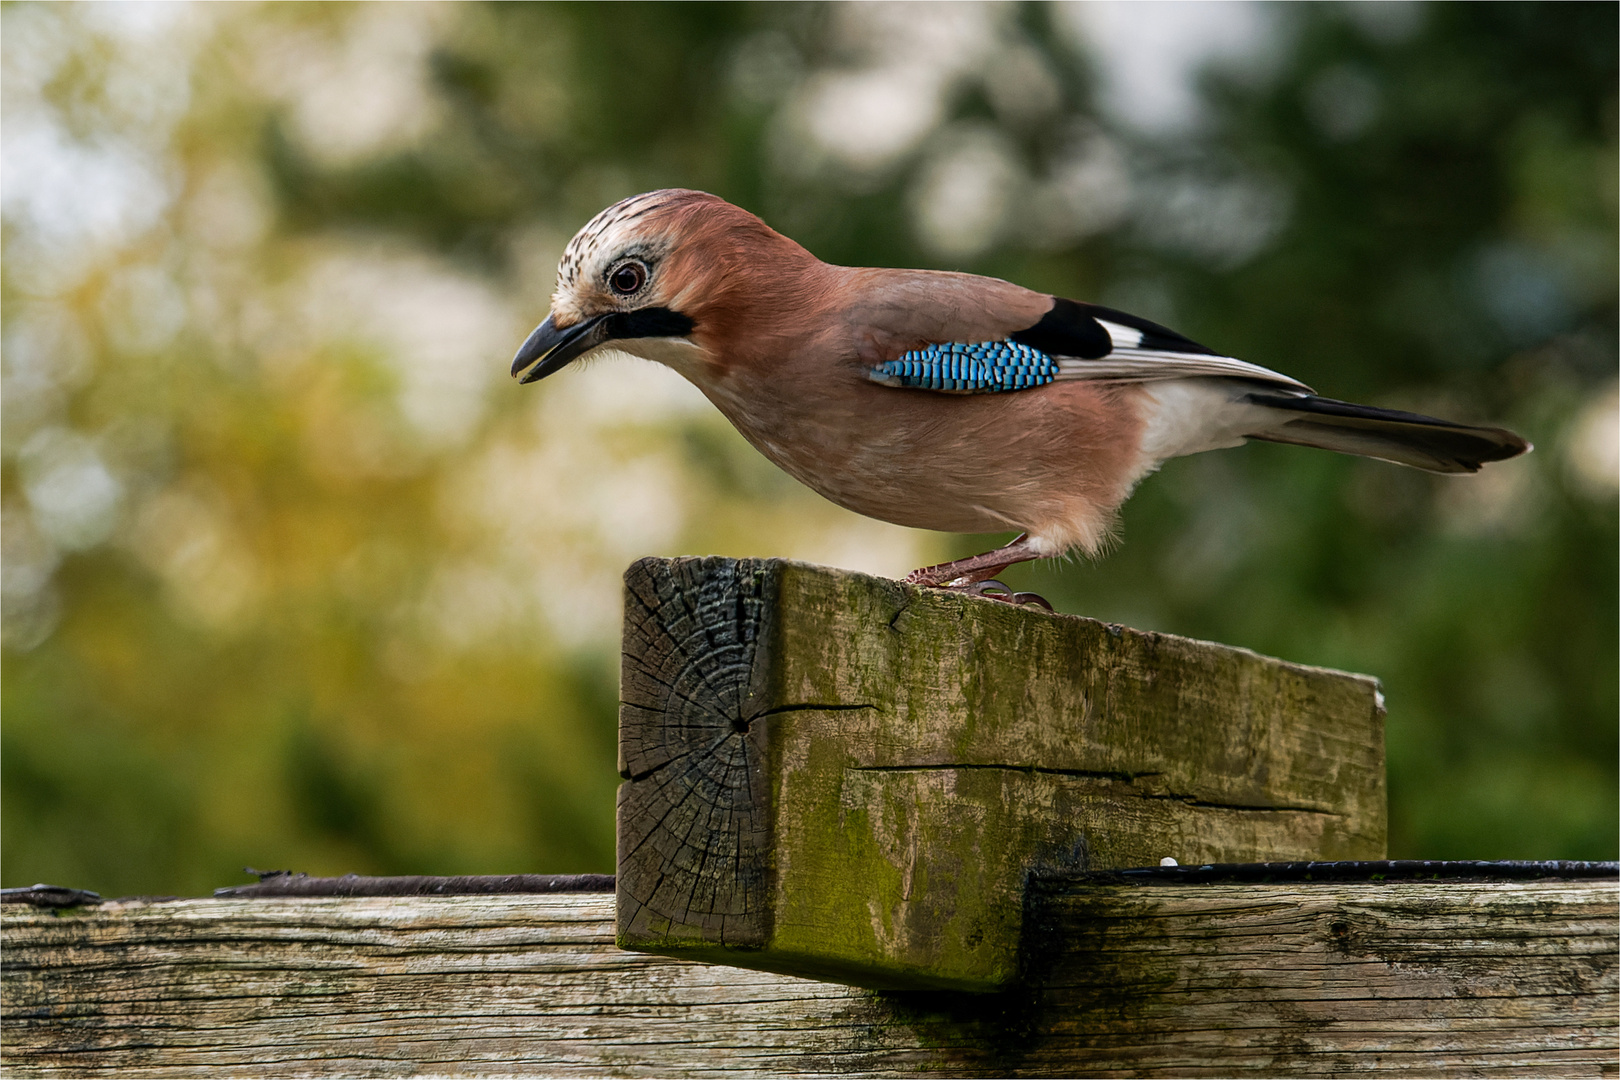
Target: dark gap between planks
[(285, 883)]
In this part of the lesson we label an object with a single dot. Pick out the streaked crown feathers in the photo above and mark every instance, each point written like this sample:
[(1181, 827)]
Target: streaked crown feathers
[(611, 232)]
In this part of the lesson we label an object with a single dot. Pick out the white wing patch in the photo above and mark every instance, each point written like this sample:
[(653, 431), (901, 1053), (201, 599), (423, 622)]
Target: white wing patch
[(1123, 336)]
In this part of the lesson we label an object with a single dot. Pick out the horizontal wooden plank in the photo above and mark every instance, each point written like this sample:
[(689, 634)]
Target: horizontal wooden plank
[(1427, 978)]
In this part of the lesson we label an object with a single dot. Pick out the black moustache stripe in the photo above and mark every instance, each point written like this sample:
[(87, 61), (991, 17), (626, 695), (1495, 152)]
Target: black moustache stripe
[(648, 322)]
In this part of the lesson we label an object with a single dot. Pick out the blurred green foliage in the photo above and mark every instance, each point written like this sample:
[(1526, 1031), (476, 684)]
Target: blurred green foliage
[(295, 577)]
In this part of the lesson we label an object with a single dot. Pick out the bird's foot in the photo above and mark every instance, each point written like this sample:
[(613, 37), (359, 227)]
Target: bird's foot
[(995, 590)]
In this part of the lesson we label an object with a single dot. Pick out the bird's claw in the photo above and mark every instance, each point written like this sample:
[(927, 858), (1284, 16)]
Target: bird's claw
[(995, 590)]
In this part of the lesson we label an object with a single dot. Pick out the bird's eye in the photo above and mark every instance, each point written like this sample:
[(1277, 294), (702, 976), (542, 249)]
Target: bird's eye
[(628, 278)]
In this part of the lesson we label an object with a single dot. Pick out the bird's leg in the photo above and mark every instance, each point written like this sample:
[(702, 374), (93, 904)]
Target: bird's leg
[(970, 571)]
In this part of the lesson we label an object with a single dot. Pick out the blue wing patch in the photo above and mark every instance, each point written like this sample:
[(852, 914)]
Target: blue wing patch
[(989, 367)]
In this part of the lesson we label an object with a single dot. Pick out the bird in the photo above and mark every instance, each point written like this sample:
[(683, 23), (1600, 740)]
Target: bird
[(935, 399)]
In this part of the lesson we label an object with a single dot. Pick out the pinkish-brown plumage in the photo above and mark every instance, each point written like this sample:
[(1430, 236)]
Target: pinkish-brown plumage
[(786, 345)]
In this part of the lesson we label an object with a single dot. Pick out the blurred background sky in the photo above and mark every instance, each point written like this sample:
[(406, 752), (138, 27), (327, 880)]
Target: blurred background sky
[(295, 576)]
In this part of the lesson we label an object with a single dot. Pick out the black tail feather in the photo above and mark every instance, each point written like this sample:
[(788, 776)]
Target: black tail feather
[(1422, 442)]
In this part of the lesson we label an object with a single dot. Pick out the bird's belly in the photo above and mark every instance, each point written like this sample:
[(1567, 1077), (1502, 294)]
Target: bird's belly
[(902, 486), (1055, 462)]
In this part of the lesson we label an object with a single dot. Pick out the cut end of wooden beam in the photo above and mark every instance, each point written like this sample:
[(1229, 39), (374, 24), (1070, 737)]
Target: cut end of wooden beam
[(694, 831), (841, 776)]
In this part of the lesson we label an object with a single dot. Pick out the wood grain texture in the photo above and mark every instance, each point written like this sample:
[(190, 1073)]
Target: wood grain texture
[(835, 775), (1505, 979)]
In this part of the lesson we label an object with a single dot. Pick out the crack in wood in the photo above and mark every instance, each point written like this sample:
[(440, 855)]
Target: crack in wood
[(1243, 808), (811, 706), (661, 766), (1089, 774), (1127, 778)]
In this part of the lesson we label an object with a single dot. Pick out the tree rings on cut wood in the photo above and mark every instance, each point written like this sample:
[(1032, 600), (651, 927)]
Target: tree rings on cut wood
[(693, 821)]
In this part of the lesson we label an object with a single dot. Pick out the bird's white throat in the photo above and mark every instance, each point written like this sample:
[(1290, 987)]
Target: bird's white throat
[(683, 354)]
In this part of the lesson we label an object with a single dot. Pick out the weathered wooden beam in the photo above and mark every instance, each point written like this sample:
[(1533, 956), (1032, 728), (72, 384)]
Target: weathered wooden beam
[(840, 776), (1508, 979)]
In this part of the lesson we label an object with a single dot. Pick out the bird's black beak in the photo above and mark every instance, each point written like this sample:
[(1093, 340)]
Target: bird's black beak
[(554, 347)]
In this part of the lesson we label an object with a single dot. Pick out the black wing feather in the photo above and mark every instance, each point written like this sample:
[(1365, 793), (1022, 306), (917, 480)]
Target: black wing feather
[(1067, 330), (1071, 328)]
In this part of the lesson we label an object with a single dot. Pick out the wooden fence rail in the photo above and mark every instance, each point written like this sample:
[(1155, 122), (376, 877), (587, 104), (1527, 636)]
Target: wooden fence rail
[(1435, 978)]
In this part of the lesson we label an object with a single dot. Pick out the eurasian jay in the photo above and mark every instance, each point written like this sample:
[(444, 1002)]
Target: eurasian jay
[(938, 400)]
